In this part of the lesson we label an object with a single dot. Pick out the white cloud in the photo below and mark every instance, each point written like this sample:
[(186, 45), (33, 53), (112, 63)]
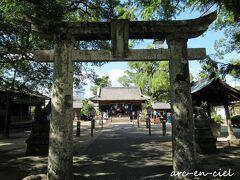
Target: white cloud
[(100, 74), (232, 81), (87, 92), (115, 74)]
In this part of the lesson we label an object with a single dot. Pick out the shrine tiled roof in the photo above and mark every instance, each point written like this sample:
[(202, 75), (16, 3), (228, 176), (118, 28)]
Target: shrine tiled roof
[(215, 91), (161, 105), (119, 93), (22, 94), (200, 84)]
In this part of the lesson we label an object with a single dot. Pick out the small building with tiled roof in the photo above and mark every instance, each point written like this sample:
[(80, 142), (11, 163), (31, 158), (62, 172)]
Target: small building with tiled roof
[(214, 91), (15, 104), (119, 100), (161, 106), (77, 106)]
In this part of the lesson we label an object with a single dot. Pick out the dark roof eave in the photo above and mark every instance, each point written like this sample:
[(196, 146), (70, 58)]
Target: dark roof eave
[(228, 93)]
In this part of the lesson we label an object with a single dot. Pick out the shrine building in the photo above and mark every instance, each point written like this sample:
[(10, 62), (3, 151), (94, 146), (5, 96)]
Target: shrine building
[(119, 100), (16, 105)]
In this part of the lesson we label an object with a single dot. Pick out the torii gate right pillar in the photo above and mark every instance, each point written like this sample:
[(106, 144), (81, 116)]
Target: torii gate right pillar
[(181, 102)]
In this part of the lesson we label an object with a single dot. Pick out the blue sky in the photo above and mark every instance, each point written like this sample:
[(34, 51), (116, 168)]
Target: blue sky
[(116, 69)]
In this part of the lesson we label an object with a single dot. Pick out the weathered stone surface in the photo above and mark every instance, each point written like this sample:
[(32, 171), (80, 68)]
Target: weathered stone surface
[(38, 141), (119, 37), (132, 55), (60, 157), (216, 129), (181, 103), (137, 29), (36, 177), (205, 141)]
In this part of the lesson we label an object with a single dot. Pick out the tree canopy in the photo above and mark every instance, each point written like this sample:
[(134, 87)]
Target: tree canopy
[(17, 39), (151, 77), (100, 82), (17, 67), (212, 68)]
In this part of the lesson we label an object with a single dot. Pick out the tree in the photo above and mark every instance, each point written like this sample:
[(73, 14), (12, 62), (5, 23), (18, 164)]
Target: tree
[(100, 82), (85, 109), (15, 44), (210, 69), (17, 66), (126, 80), (15, 13), (44, 17), (228, 19), (233, 69), (17, 39), (151, 77)]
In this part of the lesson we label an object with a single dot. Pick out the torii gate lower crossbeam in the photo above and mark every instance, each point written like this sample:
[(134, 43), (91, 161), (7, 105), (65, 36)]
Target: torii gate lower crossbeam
[(133, 55), (60, 146)]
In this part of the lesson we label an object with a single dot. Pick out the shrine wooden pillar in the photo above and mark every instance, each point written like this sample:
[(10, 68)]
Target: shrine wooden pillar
[(60, 158), (228, 122), (181, 103)]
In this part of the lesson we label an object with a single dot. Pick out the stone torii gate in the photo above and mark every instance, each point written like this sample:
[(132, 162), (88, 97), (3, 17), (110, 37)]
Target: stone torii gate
[(176, 33)]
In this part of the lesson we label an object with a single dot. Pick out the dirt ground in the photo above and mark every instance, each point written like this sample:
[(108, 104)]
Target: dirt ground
[(14, 164)]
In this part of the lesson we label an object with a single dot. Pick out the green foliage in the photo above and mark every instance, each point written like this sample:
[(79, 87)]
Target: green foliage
[(125, 80), (230, 42), (236, 120), (156, 9), (151, 77), (210, 69), (233, 69), (17, 39), (215, 69), (17, 67), (85, 109), (100, 82), (215, 117), (93, 10), (228, 20)]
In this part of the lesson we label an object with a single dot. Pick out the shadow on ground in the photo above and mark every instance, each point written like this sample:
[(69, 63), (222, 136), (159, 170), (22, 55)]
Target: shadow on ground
[(118, 152), (124, 153)]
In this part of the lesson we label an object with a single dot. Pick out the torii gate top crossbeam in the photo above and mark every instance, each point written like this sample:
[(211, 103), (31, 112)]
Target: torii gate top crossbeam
[(137, 29)]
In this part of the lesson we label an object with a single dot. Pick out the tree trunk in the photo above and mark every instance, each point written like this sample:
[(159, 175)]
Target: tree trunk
[(60, 158)]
